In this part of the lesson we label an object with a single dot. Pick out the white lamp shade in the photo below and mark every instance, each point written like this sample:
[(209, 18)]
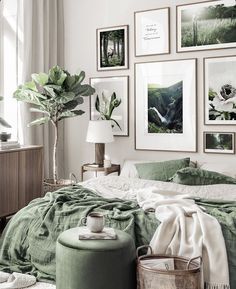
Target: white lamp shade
[(99, 131)]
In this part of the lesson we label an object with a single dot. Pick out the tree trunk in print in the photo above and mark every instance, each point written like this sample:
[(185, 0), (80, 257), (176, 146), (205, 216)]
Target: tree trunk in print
[(122, 62), (101, 52), (114, 46), (118, 48), (105, 45)]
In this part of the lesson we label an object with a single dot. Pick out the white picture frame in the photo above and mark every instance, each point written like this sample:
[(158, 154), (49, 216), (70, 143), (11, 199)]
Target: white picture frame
[(219, 79), (219, 142), (107, 86), (152, 32), (116, 45), (166, 79), (200, 28)]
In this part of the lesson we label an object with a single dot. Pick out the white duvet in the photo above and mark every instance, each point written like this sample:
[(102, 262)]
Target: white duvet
[(124, 188)]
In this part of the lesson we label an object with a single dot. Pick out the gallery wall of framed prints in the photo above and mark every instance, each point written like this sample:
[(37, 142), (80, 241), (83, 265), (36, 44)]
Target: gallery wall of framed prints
[(165, 80)]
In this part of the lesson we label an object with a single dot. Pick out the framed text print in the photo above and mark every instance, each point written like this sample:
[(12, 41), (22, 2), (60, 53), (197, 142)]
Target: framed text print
[(219, 142), (112, 48), (220, 90), (206, 25), (152, 35), (111, 101), (165, 105)]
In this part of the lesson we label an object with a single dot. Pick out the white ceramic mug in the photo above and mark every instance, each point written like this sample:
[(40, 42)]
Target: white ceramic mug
[(94, 221)]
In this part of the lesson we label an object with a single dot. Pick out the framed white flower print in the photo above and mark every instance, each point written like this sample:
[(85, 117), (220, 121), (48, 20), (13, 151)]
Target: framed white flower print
[(165, 105), (220, 90)]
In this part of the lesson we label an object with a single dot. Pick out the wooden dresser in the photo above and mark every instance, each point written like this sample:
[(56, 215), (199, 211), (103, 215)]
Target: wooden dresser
[(21, 178)]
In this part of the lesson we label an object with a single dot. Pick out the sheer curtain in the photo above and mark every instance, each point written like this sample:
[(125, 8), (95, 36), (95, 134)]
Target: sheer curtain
[(40, 46)]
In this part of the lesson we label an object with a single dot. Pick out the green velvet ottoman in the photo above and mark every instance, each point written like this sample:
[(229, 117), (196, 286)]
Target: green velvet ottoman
[(95, 264)]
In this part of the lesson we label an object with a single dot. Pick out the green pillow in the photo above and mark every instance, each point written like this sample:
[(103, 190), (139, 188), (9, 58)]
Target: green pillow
[(161, 171), (196, 177)]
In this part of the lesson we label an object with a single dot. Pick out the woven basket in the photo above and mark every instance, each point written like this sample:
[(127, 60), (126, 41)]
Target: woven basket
[(186, 274), (50, 186)]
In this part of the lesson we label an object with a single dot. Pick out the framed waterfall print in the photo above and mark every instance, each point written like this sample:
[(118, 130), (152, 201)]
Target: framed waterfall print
[(165, 105), (152, 32), (219, 142), (206, 25), (112, 48), (111, 101), (220, 90)]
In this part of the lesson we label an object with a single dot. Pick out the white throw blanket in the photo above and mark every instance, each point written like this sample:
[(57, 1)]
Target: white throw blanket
[(20, 281), (186, 230)]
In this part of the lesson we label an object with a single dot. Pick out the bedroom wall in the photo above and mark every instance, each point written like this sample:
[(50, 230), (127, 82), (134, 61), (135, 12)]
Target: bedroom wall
[(81, 20)]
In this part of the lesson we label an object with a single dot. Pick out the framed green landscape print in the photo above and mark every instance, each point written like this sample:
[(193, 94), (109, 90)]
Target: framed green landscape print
[(111, 101), (165, 105), (206, 25), (220, 90), (219, 142), (112, 48), (152, 32)]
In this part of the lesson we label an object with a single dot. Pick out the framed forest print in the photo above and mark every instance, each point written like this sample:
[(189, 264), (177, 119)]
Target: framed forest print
[(220, 90), (219, 142), (206, 25), (165, 105), (112, 48), (152, 32), (111, 101)]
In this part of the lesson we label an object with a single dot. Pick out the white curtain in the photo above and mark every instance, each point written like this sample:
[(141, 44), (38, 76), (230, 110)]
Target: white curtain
[(40, 46)]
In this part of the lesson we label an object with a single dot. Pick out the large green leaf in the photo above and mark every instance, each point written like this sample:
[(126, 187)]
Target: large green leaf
[(65, 97), (50, 91), (73, 103), (84, 90), (28, 96), (57, 75), (39, 121), (68, 114), (97, 104), (33, 109), (70, 81), (41, 78), (79, 78)]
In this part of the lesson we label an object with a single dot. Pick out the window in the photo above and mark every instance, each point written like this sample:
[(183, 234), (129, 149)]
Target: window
[(8, 63)]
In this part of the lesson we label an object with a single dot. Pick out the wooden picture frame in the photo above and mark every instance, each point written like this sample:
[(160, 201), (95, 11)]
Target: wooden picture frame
[(202, 26), (152, 32), (113, 48), (165, 105), (219, 142), (105, 87)]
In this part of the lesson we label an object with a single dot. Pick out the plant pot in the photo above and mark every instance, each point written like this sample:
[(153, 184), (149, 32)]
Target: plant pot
[(50, 186)]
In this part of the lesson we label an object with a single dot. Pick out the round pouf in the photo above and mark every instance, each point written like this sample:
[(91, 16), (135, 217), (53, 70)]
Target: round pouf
[(95, 264)]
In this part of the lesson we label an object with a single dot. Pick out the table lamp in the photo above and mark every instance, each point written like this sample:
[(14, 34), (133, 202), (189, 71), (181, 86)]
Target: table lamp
[(99, 132)]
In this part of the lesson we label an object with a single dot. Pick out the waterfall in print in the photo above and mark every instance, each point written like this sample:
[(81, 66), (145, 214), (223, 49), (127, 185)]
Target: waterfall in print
[(165, 108)]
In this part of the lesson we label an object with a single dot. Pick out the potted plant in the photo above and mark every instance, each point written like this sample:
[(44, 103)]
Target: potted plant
[(4, 136), (55, 95)]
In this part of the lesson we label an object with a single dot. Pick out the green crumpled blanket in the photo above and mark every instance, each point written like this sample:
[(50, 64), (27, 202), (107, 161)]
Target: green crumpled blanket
[(29, 241)]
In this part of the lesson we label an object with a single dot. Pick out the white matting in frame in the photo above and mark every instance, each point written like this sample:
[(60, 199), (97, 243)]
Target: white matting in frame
[(152, 35), (174, 124)]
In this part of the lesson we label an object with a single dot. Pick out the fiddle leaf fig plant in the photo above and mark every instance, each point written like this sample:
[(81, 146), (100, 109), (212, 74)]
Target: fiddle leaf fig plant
[(2, 120), (55, 95)]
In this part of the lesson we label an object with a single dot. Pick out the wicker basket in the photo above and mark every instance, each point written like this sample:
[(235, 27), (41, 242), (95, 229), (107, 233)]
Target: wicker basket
[(50, 186), (186, 274)]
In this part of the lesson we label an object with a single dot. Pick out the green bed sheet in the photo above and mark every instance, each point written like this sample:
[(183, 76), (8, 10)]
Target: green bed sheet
[(29, 241)]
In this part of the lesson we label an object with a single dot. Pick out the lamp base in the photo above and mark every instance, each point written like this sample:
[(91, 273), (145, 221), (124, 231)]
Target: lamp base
[(99, 153)]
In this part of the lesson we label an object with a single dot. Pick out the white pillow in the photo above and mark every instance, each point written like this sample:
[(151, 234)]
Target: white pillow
[(129, 170), (225, 169)]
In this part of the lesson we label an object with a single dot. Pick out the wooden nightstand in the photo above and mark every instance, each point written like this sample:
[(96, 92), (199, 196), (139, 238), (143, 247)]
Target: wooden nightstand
[(92, 168)]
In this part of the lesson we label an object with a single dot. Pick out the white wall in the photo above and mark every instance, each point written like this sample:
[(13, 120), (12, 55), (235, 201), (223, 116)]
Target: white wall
[(82, 17)]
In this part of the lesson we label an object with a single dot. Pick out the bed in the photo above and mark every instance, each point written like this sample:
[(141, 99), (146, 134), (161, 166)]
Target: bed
[(28, 242)]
